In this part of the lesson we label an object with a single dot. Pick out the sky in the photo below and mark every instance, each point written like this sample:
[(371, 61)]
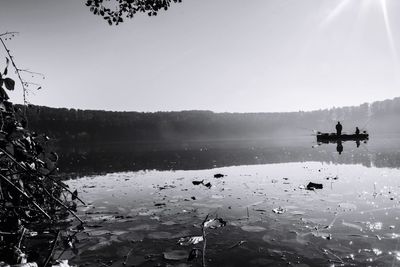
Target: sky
[(219, 55)]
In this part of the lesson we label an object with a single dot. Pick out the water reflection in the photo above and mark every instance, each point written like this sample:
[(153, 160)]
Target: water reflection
[(339, 144), (339, 147), (117, 157)]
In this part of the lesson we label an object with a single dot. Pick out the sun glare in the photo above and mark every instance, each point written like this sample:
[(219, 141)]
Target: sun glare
[(368, 5)]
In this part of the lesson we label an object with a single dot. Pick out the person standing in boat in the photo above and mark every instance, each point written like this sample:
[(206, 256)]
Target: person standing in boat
[(357, 131), (338, 129)]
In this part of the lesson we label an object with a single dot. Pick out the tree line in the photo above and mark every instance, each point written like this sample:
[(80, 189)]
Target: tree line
[(106, 126)]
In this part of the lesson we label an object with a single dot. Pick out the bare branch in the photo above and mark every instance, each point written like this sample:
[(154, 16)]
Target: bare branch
[(8, 33), (31, 72), (18, 73)]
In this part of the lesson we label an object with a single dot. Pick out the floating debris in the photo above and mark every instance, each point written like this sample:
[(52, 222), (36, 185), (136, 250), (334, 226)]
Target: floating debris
[(313, 186), (176, 255), (241, 242), (166, 187), (214, 223), (219, 175), (352, 225), (323, 235), (190, 240), (279, 210), (253, 228), (208, 185)]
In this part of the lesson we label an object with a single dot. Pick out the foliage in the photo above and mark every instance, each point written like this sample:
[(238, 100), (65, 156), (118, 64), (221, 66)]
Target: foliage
[(32, 198), (127, 8)]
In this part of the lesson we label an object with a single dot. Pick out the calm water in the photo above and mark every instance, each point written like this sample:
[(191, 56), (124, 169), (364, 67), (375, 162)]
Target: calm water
[(147, 201)]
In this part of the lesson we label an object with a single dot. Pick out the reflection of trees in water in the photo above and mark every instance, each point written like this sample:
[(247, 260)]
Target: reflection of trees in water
[(96, 158)]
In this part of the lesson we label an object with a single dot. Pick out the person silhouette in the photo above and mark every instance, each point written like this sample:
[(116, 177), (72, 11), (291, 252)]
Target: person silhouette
[(339, 147), (338, 129), (358, 143)]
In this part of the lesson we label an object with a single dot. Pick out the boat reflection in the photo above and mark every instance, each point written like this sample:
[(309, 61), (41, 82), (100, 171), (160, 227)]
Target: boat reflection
[(339, 144)]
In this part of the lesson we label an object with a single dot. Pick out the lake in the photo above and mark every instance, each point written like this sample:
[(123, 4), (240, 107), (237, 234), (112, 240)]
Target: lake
[(147, 203)]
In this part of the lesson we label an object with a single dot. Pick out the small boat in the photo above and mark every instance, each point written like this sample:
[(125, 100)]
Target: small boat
[(326, 137)]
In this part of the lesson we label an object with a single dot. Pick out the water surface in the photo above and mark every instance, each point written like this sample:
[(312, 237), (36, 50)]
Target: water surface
[(272, 219)]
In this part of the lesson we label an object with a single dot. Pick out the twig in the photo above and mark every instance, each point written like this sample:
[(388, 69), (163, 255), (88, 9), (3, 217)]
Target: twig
[(1, 192), (65, 188), (18, 73), (22, 236), (31, 83), (7, 233), (62, 204), (8, 33), (127, 256), (31, 72), (238, 244), (52, 249), (204, 242), (332, 222), (65, 249), (25, 195), (337, 257)]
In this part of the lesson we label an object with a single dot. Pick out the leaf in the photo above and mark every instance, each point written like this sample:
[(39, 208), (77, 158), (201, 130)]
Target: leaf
[(313, 186), (190, 240), (197, 182), (75, 195), (6, 69), (208, 185), (3, 94), (214, 223), (9, 83)]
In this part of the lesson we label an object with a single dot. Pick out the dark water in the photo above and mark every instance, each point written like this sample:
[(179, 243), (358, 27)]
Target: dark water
[(143, 200), (118, 157)]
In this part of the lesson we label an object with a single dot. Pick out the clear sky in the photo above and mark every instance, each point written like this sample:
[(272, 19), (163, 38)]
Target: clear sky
[(219, 55)]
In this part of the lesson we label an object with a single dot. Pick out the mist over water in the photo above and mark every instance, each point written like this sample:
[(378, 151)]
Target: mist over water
[(120, 157)]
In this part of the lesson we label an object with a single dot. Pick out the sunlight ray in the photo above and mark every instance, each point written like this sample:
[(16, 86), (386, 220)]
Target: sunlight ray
[(334, 13), (390, 35)]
